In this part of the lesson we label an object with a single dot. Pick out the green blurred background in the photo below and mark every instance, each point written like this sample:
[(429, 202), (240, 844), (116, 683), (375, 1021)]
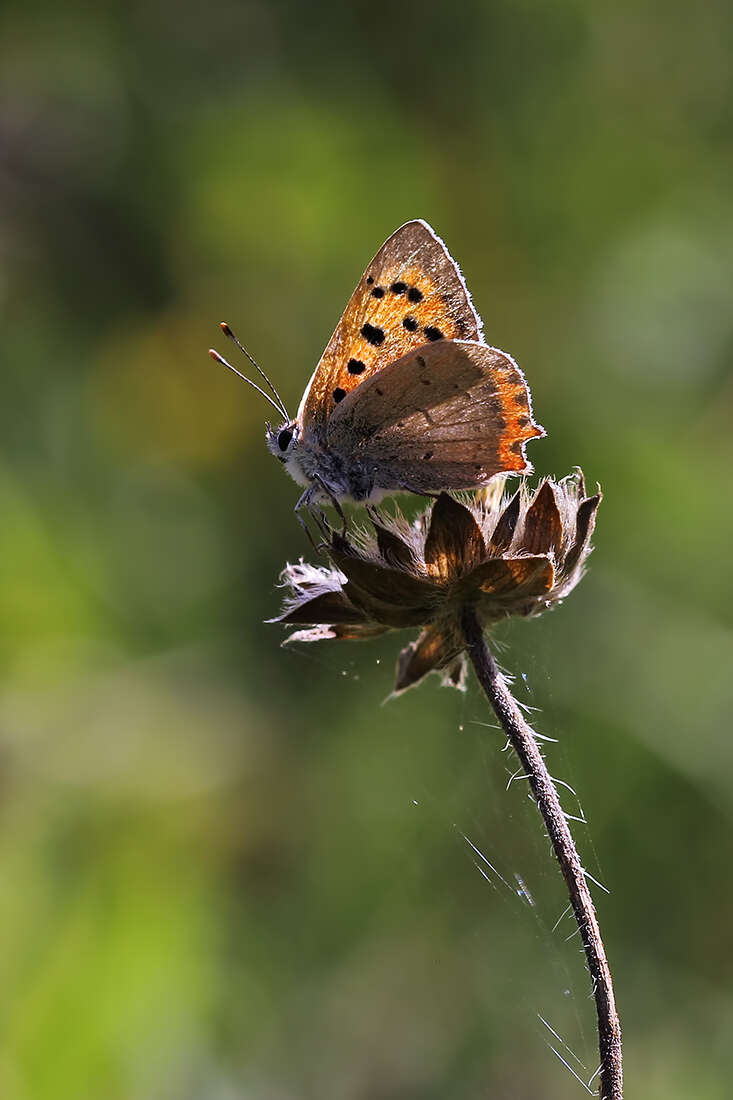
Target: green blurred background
[(226, 870)]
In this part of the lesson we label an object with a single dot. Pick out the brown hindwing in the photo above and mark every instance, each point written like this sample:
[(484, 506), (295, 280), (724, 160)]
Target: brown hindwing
[(448, 415)]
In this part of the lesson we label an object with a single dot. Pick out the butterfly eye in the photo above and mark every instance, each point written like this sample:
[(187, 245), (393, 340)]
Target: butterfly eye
[(283, 439)]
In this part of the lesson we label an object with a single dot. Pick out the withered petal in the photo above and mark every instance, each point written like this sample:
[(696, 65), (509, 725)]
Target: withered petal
[(454, 544), (504, 530), (313, 634), (392, 586), (455, 674), (532, 576), (339, 631), (515, 577), (392, 548), (328, 607), (387, 612), (542, 523), (583, 531), (431, 650), (357, 631)]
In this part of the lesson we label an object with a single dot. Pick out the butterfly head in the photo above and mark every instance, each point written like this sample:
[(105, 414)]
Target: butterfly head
[(286, 445), (283, 441)]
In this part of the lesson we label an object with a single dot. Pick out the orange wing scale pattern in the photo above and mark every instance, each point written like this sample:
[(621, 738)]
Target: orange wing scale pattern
[(517, 417), (411, 293)]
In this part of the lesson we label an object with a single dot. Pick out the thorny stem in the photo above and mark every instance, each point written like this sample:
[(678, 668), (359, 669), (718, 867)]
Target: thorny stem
[(524, 744)]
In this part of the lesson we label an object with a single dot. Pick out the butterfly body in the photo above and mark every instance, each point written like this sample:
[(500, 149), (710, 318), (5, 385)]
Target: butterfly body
[(329, 474), (311, 463), (407, 395)]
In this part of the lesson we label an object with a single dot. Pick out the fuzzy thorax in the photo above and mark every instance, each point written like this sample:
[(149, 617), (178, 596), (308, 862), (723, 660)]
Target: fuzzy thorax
[(311, 463)]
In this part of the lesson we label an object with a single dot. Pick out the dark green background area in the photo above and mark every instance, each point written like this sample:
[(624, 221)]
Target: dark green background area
[(226, 869)]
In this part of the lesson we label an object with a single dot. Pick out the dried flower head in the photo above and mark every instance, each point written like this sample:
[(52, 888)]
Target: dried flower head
[(499, 555)]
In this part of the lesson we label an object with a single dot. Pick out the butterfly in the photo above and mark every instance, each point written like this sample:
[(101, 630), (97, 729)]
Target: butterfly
[(407, 396)]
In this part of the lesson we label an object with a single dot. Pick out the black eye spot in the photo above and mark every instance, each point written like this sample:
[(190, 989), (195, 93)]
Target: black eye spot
[(410, 324), (433, 333), (339, 394), (398, 288), (427, 456), (414, 294), (283, 439), (373, 334), (378, 292), (370, 280), (355, 366)]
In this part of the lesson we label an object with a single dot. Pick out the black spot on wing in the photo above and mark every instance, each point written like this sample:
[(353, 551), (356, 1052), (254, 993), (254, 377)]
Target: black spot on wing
[(373, 334), (433, 333), (378, 292), (410, 324), (339, 394), (414, 294), (398, 287), (355, 366)]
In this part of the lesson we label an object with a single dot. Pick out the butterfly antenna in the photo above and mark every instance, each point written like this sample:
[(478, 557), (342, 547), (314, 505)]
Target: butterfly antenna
[(220, 359), (228, 332)]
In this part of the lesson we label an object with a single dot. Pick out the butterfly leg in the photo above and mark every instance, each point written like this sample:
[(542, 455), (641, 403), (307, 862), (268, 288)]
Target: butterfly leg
[(307, 530), (418, 492), (335, 501), (320, 519), (303, 503)]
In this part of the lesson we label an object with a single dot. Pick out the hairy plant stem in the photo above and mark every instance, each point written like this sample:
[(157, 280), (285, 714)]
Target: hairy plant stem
[(523, 742)]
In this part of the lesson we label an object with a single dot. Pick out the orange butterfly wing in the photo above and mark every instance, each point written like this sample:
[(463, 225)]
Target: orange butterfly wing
[(410, 294)]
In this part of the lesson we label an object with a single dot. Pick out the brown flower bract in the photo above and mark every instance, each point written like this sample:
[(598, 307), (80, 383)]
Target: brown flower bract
[(501, 555)]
